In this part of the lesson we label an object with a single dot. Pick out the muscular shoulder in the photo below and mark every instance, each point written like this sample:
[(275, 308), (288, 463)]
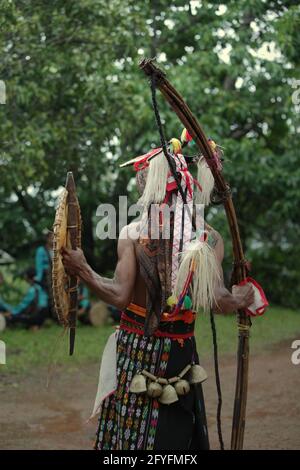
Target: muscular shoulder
[(126, 252), (128, 236), (130, 232)]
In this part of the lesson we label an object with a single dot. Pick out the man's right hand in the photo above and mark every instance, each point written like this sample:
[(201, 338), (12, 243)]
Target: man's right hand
[(243, 295), (73, 260)]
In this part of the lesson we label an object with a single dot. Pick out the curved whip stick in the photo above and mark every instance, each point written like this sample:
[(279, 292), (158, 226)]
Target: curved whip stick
[(239, 272)]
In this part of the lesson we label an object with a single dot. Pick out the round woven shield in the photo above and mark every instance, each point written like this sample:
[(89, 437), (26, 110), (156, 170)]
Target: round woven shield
[(60, 280), (67, 234)]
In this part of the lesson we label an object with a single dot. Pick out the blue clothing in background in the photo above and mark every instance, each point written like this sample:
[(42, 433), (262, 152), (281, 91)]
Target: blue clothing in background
[(42, 262), (34, 293), (84, 301)]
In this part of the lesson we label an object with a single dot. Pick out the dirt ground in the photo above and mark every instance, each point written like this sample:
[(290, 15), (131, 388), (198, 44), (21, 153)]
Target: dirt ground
[(34, 417)]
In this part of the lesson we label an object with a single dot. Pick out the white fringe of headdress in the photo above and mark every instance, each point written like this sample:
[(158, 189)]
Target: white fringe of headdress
[(205, 277), (207, 182), (155, 188)]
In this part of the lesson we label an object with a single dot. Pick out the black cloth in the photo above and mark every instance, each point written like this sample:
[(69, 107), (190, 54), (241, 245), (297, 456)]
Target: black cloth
[(28, 320)]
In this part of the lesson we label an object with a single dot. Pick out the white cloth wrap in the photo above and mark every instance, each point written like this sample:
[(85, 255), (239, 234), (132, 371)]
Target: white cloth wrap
[(108, 373)]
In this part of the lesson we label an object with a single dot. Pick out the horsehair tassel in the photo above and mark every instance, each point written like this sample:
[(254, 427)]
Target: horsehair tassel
[(155, 188), (207, 181), (193, 265), (201, 258)]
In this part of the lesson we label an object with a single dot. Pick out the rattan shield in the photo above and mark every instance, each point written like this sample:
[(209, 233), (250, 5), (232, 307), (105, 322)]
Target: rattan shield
[(67, 234)]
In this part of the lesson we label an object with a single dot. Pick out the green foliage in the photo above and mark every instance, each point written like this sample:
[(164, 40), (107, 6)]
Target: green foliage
[(14, 286), (77, 100), (48, 347), (276, 325)]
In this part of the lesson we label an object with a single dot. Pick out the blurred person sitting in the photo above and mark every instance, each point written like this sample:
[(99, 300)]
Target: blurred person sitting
[(43, 268), (4, 306), (43, 262), (84, 304), (33, 308)]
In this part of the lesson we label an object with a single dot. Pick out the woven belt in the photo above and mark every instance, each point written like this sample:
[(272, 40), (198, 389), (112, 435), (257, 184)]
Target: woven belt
[(180, 327), (187, 316)]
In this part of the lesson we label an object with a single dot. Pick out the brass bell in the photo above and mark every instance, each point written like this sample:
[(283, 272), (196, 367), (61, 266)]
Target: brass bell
[(138, 384), (168, 395), (154, 390), (182, 387), (197, 374)]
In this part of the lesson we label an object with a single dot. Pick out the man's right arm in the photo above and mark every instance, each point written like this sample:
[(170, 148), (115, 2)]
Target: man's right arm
[(117, 291)]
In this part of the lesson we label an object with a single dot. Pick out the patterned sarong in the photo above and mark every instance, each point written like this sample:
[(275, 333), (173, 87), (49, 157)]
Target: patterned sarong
[(130, 421)]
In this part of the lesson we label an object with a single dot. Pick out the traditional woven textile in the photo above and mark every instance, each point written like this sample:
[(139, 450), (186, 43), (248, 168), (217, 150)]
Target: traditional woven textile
[(130, 421)]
